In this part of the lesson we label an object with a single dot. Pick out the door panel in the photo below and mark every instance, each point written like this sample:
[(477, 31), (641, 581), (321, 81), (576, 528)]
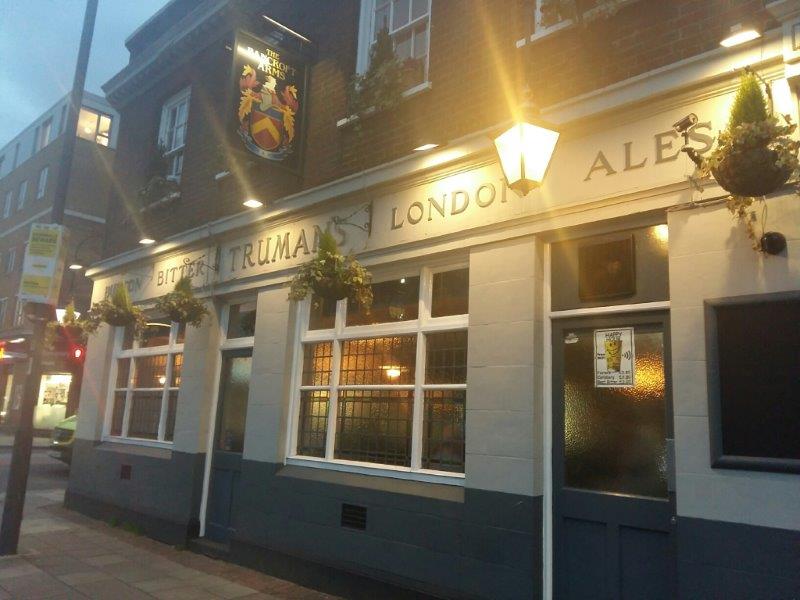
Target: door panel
[(226, 460), (611, 503)]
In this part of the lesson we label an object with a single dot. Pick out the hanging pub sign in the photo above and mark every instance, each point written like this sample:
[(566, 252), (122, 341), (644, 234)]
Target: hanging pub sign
[(614, 357), (269, 100)]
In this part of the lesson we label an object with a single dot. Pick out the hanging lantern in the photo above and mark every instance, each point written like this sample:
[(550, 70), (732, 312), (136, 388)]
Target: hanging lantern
[(524, 152)]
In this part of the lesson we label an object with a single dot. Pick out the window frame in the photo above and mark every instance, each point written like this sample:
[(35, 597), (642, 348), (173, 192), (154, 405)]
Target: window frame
[(10, 260), (366, 34), (41, 186), (174, 154), (43, 135), (96, 135), (169, 350), (541, 32), (8, 202), (22, 194), (424, 325)]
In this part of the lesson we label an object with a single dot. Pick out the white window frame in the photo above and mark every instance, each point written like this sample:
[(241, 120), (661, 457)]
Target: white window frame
[(43, 133), (366, 34), (170, 350), (8, 203), (41, 183), (166, 134), (22, 194), (11, 260), (423, 325)]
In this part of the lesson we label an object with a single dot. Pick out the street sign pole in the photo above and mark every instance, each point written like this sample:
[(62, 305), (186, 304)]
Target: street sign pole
[(41, 313)]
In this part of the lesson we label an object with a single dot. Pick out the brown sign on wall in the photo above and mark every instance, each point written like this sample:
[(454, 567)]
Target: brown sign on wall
[(269, 104)]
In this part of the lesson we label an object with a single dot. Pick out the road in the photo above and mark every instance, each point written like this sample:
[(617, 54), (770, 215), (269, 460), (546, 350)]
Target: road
[(46, 473)]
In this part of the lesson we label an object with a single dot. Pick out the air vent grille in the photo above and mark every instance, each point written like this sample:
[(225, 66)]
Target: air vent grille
[(354, 517)]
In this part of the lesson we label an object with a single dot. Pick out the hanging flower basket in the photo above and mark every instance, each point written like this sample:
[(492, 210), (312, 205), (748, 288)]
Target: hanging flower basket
[(181, 306), (71, 327), (331, 276), (119, 311)]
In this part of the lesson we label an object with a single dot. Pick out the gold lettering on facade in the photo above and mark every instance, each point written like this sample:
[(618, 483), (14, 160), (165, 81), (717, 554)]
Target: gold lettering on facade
[(629, 166), (600, 164)]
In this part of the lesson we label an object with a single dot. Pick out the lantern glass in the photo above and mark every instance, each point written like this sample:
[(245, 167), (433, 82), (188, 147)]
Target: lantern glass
[(525, 151)]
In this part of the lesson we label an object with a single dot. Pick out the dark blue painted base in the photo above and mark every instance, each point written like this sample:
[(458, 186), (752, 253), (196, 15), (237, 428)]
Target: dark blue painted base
[(730, 561)]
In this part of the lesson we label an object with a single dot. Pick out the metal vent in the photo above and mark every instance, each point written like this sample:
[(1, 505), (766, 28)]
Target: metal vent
[(354, 517)]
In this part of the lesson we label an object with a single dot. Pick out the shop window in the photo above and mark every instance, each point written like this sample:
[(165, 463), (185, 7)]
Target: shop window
[(146, 377), (241, 320), (754, 383), (408, 24), (94, 126), (387, 387), (172, 132)]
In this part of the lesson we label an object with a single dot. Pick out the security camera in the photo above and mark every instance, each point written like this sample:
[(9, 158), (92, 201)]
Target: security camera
[(686, 124)]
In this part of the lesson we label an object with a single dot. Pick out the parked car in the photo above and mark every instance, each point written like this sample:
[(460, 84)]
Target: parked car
[(62, 439)]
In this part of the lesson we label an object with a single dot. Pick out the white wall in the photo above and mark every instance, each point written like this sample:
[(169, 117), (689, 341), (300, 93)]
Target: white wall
[(710, 257)]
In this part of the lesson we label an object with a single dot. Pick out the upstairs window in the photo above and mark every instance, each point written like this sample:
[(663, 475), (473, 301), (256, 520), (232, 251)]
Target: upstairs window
[(42, 136), (94, 126), (408, 23), (22, 195), (19, 312), (172, 133), (3, 308), (552, 15), (16, 156), (41, 185), (8, 203), (386, 387), (11, 260)]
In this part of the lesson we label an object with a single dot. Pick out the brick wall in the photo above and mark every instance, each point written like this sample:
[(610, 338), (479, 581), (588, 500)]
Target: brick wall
[(476, 71)]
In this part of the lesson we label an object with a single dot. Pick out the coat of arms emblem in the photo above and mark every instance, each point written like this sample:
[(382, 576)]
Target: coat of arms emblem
[(266, 116)]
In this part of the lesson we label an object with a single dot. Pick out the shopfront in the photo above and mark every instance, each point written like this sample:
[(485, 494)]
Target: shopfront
[(525, 410)]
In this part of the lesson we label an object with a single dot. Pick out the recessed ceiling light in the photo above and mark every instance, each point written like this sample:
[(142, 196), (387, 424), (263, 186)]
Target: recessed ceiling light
[(425, 147), (253, 203), (146, 241), (739, 34), (75, 267), (18, 340)]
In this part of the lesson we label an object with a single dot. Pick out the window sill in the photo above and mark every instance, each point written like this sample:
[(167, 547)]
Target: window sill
[(149, 448), (454, 479), (409, 93)]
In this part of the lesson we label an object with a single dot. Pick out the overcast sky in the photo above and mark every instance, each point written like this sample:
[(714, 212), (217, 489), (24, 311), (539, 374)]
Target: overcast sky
[(39, 46)]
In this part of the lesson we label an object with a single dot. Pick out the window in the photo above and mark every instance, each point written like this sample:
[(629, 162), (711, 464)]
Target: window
[(11, 259), (16, 156), (42, 135), (553, 15), (8, 203), (754, 382), (146, 377), (94, 126), (408, 24), (22, 195), (2, 160), (41, 185), (387, 387), (172, 133), (19, 312), (62, 119), (3, 308), (241, 320)]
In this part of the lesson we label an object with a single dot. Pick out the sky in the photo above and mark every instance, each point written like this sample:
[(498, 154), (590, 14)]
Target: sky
[(39, 47)]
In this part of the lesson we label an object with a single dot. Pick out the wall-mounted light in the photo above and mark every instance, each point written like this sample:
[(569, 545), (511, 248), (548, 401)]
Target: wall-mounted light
[(739, 34), (146, 241), (252, 203), (524, 152)]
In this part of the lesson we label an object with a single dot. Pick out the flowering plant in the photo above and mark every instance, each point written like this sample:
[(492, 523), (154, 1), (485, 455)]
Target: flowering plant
[(332, 276), (181, 306), (119, 311), (72, 327)]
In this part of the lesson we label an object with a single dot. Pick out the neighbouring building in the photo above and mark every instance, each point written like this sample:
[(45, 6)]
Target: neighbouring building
[(29, 167), (588, 391)]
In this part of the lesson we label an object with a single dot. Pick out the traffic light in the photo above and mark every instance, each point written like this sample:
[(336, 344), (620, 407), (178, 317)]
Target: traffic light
[(76, 353)]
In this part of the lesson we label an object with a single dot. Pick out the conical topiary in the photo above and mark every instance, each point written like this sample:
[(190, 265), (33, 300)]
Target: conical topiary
[(750, 105)]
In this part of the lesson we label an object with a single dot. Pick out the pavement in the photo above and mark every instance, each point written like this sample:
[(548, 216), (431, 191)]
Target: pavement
[(64, 554), (7, 441)]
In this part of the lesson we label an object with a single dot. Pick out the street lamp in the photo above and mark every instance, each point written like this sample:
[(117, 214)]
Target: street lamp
[(524, 152)]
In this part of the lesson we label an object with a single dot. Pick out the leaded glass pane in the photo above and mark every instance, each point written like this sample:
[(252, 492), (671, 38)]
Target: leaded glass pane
[(150, 371), (446, 357), (443, 426), (177, 367), (450, 293), (313, 423), (242, 320), (317, 363), (395, 300), (374, 426), (378, 361), (145, 415), (123, 372), (156, 333)]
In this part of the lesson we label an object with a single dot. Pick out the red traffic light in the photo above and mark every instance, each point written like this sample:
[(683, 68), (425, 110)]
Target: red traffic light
[(77, 353)]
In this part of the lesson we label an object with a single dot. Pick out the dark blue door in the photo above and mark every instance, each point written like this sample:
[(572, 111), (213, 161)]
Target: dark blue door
[(612, 428), (226, 461)]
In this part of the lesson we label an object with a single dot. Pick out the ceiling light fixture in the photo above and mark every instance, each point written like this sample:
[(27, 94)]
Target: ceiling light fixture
[(146, 241), (426, 147), (739, 34), (253, 203), (75, 267)]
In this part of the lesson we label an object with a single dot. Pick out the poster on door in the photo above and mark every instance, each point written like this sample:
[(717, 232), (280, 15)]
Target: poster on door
[(614, 358)]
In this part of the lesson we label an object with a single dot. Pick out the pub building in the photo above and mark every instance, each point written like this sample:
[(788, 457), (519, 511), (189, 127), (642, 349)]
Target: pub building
[(583, 391)]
